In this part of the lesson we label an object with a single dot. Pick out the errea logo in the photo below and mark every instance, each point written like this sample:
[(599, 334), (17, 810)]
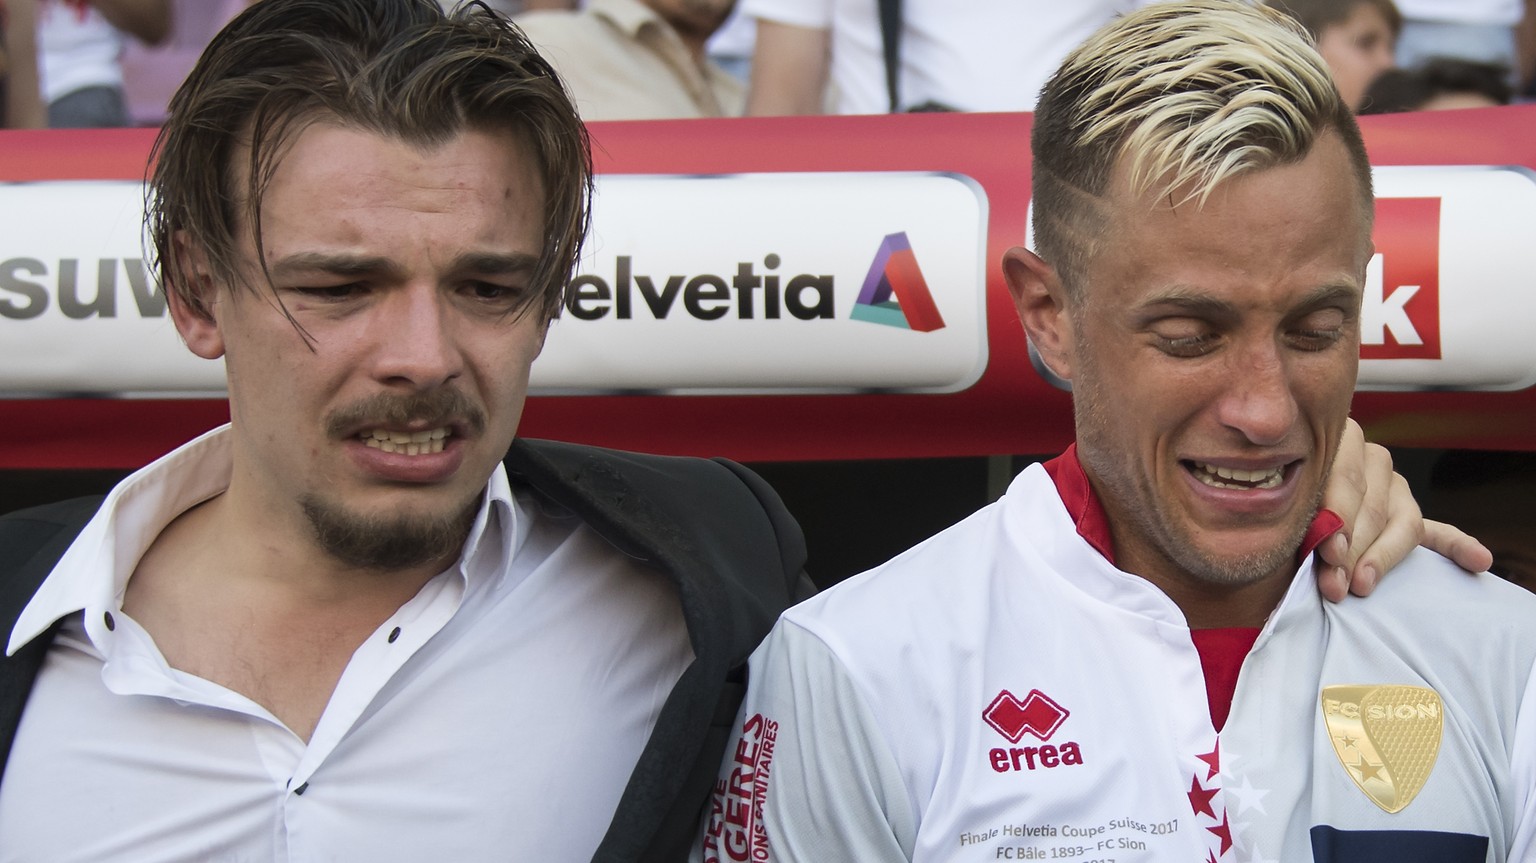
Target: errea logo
[(1037, 715)]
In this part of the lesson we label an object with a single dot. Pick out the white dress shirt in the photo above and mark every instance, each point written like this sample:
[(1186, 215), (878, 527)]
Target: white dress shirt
[(495, 716)]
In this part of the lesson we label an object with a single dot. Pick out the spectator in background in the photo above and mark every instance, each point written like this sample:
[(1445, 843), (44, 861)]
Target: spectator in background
[(1440, 84), (79, 56), (964, 55), (1483, 31), (1355, 37), (512, 7), (151, 73), (639, 59)]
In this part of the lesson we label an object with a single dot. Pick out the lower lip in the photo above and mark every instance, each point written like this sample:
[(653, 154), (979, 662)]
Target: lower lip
[(1246, 501), (399, 467)]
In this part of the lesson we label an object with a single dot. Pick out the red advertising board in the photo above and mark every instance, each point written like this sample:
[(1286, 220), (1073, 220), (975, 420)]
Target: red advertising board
[(748, 295)]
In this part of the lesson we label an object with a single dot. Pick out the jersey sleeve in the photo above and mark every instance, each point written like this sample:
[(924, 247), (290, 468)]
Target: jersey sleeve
[(808, 776), (814, 14), (1523, 772)]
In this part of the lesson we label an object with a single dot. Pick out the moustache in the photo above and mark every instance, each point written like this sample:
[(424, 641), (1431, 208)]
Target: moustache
[(442, 407)]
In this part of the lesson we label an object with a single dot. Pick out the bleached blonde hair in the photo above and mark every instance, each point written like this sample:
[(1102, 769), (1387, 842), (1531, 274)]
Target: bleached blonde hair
[(1185, 95)]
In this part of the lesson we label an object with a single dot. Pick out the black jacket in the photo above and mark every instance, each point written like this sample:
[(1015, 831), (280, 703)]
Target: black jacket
[(716, 529)]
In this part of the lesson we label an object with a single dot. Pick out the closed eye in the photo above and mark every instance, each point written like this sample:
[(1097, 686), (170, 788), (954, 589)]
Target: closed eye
[(1184, 337), (496, 296), (1315, 340), (332, 293), (1319, 330), (1189, 347)]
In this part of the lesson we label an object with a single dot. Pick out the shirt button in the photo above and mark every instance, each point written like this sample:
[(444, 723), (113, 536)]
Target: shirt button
[(394, 635), (111, 624)]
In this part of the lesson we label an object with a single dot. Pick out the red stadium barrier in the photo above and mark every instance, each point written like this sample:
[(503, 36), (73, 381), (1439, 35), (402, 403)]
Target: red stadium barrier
[(788, 289)]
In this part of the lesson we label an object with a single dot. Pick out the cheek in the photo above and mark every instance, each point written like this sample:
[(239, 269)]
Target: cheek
[(1324, 391), (1343, 59)]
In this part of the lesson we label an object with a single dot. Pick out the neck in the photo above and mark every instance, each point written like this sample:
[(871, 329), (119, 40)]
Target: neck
[(1214, 606), (694, 34), (694, 43), (1220, 594), (279, 555)]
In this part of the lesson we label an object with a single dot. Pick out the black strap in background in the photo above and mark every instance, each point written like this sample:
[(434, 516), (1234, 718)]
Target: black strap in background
[(890, 36)]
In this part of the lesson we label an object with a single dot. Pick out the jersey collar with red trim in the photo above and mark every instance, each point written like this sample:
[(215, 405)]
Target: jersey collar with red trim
[(1093, 524)]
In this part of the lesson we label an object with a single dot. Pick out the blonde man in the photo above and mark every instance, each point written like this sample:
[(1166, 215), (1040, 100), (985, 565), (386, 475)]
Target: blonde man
[(1124, 658)]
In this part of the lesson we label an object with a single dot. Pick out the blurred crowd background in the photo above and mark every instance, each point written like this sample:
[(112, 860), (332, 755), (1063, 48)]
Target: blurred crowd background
[(105, 63)]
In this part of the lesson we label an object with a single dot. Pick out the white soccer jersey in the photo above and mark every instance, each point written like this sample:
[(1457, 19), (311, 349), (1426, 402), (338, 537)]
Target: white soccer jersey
[(1002, 692)]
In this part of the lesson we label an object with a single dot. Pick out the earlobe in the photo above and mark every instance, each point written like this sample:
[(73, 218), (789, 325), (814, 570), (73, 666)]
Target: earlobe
[(1040, 301), (193, 307)]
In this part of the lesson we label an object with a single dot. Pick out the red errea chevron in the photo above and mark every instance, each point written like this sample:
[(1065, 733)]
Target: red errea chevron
[(1036, 714)]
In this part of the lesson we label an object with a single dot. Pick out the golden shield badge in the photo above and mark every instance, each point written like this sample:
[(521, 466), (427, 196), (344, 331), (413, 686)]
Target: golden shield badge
[(1387, 737)]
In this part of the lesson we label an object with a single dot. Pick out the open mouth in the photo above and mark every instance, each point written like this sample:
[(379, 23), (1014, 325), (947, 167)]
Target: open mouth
[(407, 443), (1237, 478)]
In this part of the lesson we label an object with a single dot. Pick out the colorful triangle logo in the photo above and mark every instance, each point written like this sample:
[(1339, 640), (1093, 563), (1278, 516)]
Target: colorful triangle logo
[(895, 293)]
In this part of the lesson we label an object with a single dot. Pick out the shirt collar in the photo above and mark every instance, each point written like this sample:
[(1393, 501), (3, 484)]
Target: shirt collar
[(1092, 523), (93, 573), (629, 16)]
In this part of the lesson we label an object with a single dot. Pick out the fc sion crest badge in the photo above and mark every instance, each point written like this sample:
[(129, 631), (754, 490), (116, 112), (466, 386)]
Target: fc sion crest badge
[(1386, 736)]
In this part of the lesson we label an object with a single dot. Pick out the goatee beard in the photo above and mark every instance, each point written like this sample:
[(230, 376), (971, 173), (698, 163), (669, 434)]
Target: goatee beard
[(387, 543)]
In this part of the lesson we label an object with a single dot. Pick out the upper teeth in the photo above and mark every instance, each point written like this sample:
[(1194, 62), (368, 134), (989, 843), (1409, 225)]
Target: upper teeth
[(409, 443), (1210, 474)]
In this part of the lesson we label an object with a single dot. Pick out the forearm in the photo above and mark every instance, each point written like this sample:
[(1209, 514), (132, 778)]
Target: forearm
[(789, 70), (23, 101), (149, 21)]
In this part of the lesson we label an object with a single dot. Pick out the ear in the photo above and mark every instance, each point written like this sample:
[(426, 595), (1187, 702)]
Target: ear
[(1041, 303), (195, 318)]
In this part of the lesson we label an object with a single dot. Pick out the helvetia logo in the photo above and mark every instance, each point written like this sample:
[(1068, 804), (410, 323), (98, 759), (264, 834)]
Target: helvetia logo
[(895, 273), (1035, 714)]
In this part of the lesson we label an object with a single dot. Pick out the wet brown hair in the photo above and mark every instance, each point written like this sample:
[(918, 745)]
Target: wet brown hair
[(399, 68)]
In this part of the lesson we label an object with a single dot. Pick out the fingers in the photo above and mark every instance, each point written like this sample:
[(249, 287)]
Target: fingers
[(1382, 522), (1332, 577), (1381, 519), (1386, 505), (1355, 476), (1399, 533), (1467, 552), (1347, 485)]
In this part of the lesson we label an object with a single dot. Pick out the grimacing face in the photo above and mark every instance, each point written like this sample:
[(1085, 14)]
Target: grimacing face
[(405, 267), (1212, 358)]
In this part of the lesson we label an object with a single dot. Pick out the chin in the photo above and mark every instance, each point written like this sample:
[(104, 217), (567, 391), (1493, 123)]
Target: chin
[(1246, 558), (388, 541)]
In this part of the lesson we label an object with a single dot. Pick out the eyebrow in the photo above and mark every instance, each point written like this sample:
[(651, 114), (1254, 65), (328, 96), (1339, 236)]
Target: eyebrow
[(353, 266), (1199, 304), (493, 264)]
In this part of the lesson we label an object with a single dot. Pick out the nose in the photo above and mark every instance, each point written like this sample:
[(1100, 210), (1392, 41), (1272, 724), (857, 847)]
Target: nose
[(1259, 401), (414, 339)]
